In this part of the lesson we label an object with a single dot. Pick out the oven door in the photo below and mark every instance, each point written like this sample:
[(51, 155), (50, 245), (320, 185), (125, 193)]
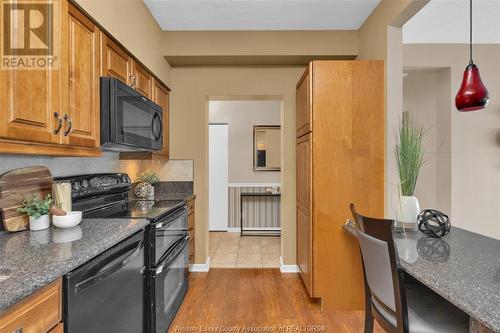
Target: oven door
[(134, 120), (167, 232), (169, 286)]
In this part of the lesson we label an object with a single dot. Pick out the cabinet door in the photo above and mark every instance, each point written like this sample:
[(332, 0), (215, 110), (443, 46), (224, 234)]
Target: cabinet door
[(29, 96), (115, 62), (161, 97), (83, 109), (304, 210), (304, 104), (142, 80)]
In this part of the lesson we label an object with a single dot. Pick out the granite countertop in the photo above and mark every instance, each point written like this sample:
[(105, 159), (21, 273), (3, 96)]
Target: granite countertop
[(32, 259), (463, 267)]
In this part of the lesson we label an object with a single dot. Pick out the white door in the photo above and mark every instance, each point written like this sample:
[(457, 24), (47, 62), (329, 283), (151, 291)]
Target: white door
[(218, 177)]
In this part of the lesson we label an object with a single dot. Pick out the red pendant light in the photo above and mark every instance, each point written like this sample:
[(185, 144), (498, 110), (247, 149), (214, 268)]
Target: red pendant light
[(472, 95)]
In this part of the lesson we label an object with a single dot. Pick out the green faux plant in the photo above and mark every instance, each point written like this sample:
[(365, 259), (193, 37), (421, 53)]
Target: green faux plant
[(409, 153), (36, 207), (148, 177)]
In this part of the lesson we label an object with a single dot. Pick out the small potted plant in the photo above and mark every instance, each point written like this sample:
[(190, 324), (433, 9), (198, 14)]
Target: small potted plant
[(145, 182), (38, 211), (409, 159)]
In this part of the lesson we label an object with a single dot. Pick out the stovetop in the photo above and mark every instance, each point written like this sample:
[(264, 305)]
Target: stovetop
[(105, 195), (147, 209)]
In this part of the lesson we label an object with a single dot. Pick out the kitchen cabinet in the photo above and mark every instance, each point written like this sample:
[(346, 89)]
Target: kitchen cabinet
[(191, 228), (340, 159), (54, 110), (39, 312), (115, 61), (304, 210), (83, 64), (303, 105), (142, 80)]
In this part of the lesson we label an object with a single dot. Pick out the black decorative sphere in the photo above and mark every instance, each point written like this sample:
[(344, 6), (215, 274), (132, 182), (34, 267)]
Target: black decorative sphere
[(433, 223)]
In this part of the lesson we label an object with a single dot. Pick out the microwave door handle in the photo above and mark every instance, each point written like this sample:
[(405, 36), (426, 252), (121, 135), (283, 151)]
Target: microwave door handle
[(156, 117), (88, 282), (161, 266)]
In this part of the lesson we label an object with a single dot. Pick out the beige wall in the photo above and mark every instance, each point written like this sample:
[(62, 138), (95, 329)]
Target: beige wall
[(380, 38), (242, 116), (132, 24), (189, 113), (475, 143), (426, 96)]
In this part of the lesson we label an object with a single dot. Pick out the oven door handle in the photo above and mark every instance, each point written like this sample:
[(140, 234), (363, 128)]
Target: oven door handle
[(113, 267), (180, 244), (182, 211)]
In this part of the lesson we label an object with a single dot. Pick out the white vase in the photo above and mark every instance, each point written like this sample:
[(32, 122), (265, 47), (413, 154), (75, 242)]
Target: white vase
[(408, 210), (40, 223)]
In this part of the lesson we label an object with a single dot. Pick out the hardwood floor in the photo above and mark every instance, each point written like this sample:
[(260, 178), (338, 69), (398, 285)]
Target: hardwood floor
[(230, 299)]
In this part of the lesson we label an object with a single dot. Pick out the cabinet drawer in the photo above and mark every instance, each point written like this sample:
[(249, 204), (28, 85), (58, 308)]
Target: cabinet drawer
[(38, 313)]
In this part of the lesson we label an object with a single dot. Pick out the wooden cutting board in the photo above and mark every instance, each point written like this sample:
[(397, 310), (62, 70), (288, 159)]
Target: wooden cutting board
[(18, 185)]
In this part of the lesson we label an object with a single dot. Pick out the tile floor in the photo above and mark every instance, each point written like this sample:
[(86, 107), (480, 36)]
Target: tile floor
[(230, 250)]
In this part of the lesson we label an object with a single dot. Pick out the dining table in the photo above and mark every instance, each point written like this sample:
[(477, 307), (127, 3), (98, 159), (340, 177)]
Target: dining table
[(463, 267)]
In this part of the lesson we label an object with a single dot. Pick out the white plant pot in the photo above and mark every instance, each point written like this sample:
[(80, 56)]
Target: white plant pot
[(407, 212), (43, 222)]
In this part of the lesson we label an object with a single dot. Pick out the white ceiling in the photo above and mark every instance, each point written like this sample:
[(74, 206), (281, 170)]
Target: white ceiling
[(261, 14), (447, 21)]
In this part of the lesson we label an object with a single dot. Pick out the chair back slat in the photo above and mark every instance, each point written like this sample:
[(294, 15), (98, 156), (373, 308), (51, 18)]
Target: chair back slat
[(381, 268), (377, 264)]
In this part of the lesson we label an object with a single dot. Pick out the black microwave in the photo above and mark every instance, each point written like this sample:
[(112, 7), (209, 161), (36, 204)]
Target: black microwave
[(129, 120)]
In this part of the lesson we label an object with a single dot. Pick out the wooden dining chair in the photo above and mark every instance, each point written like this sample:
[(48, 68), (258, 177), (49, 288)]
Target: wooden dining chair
[(398, 306)]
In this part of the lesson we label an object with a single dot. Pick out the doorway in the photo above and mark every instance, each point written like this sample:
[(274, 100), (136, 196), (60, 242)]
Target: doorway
[(247, 233)]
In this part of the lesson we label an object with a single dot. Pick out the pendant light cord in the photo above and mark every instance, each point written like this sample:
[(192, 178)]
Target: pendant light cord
[(470, 32)]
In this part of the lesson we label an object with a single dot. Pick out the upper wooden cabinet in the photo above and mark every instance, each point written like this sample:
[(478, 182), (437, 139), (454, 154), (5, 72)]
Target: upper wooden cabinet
[(83, 110), (340, 159), (142, 80), (115, 61), (303, 104), (54, 110), (47, 110)]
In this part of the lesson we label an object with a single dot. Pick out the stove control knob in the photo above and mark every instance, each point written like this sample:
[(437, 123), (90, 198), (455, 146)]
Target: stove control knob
[(85, 184), (76, 186)]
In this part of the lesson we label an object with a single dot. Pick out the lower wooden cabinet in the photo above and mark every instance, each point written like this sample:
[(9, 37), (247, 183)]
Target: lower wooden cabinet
[(40, 312), (191, 228)]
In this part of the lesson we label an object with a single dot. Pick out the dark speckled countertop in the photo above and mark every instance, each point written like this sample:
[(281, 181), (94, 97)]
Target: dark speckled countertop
[(463, 267), (29, 260)]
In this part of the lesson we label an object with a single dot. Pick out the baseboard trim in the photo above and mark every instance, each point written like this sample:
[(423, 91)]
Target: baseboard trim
[(288, 268), (200, 267)]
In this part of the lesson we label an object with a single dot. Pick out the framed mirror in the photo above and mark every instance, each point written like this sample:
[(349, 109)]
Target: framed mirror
[(267, 148)]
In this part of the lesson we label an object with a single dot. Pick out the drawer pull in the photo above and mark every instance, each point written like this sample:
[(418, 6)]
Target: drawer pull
[(18, 330)]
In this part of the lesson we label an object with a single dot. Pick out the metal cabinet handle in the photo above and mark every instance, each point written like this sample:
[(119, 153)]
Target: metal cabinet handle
[(70, 125), (133, 82), (59, 122), (18, 330)]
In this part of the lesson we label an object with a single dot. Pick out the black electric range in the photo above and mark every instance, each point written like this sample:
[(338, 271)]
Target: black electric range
[(105, 196)]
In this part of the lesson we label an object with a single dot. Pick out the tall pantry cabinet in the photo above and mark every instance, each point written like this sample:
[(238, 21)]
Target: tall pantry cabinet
[(340, 159)]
